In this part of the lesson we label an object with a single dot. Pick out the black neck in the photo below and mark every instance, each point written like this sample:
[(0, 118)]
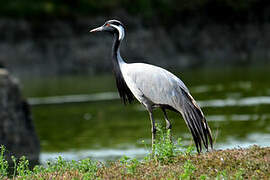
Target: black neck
[(116, 48), (123, 90)]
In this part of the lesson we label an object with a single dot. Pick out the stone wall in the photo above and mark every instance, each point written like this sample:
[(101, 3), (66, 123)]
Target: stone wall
[(66, 46)]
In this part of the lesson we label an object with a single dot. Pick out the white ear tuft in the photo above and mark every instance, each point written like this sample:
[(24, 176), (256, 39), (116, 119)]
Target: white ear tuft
[(120, 30)]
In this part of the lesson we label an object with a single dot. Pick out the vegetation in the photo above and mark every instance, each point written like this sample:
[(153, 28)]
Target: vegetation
[(168, 162), (242, 9)]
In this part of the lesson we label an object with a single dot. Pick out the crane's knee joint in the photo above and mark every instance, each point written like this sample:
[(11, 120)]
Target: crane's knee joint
[(169, 126)]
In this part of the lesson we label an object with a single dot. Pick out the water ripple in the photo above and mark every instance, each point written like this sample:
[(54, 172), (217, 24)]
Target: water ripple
[(247, 101), (73, 98), (100, 154)]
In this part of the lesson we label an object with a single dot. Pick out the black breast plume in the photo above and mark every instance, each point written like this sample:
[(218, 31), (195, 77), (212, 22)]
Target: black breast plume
[(123, 90)]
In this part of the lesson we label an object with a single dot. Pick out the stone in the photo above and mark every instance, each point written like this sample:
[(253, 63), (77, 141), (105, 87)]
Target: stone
[(17, 132)]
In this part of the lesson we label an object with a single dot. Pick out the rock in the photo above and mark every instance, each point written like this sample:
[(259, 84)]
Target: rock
[(17, 132)]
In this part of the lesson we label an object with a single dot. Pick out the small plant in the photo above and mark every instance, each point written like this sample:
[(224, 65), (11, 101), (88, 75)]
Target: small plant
[(239, 174), (203, 177), (165, 149), (38, 169), (132, 166), (124, 160), (222, 175), (129, 164), (3, 163), (23, 167), (14, 160), (60, 165), (87, 167), (188, 170), (189, 150)]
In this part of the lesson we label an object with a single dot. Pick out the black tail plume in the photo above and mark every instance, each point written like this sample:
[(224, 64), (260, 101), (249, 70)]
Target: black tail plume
[(196, 122)]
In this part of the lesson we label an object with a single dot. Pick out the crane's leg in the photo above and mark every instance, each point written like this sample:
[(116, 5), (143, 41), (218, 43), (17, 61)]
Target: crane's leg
[(153, 128), (168, 123)]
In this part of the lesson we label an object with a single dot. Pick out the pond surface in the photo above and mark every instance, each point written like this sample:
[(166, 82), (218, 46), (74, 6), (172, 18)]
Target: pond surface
[(81, 116)]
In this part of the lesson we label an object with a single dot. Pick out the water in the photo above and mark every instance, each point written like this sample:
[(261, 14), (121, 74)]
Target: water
[(82, 116)]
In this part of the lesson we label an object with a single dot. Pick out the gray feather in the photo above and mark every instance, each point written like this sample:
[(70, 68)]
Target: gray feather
[(153, 85)]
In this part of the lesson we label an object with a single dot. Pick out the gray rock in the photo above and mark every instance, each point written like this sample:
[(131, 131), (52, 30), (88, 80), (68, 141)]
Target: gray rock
[(17, 132)]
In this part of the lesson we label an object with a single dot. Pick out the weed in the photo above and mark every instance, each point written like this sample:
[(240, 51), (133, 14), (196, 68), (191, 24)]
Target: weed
[(165, 150), (38, 169), (188, 170), (252, 163), (23, 167), (203, 177), (189, 150), (239, 174), (87, 167), (222, 175), (14, 160), (3, 163), (130, 165), (124, 160)]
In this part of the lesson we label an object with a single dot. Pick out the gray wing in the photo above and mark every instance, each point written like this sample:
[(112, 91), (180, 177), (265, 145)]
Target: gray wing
[(163, 88), (157, 84)]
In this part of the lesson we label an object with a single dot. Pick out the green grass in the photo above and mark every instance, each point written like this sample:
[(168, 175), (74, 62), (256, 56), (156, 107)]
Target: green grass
[(167, 162)]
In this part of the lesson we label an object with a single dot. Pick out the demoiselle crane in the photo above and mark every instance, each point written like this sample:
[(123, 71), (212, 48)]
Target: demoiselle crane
[(155, 87)]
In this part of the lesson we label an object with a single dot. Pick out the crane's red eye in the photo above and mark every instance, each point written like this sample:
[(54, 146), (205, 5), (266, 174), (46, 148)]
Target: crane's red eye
[(108, 25)]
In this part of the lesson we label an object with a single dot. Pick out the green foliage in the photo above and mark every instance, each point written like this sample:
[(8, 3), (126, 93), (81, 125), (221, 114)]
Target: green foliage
[(59, 166), (130, 165), (38, 169), (188, 170), (239, 174), (222, 175), (189, 150), (252, 163), (165, 150), (14, 160), (203, 177), (3, 163), (23, 168), (87, 167)]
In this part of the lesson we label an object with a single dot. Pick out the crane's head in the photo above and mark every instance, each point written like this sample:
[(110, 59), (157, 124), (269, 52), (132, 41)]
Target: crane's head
[(112, 26)]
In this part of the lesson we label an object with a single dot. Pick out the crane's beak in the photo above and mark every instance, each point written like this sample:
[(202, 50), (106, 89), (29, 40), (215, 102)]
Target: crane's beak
[(97, 29)]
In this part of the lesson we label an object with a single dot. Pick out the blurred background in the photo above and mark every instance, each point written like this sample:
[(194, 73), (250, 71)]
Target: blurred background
[(219, 48)]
